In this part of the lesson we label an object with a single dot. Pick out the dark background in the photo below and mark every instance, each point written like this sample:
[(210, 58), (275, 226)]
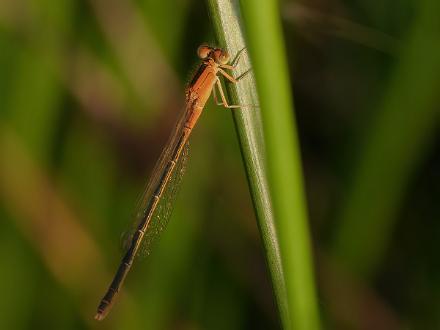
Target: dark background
[(89, 92)]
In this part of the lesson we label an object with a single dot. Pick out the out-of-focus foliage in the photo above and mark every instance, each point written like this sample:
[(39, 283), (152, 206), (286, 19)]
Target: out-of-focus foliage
[(89, 93)]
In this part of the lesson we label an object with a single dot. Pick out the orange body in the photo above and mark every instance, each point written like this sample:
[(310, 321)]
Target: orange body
[(197, 94)]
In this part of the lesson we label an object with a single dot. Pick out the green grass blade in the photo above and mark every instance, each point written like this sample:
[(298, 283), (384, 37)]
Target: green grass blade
[(284, 164), (287, 248), (250, 133)]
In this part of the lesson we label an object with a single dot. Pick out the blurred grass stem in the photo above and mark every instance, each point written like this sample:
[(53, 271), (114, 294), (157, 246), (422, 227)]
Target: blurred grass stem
[(287, 244)]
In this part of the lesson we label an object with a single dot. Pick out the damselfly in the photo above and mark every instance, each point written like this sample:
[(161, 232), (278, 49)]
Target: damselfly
[(204, 82)]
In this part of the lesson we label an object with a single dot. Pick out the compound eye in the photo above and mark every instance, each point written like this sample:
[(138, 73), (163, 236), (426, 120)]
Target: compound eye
[(203, 51), (224, 57)]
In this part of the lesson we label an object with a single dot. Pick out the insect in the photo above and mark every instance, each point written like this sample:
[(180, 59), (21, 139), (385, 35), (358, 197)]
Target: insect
[(204, 83)]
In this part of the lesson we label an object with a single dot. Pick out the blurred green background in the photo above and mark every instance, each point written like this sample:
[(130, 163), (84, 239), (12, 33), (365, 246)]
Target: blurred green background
[(89, 93)]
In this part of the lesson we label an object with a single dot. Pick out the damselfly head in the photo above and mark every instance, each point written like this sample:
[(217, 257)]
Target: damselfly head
[(220, 56)]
